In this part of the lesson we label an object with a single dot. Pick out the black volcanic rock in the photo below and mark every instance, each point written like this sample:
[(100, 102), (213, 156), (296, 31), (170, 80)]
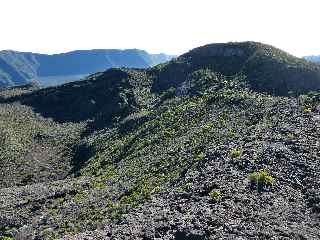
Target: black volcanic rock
[(189, 149)]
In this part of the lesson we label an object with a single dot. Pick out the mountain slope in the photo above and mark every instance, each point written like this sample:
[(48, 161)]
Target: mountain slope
[(178, 151), (313, 58), (265, 68), (17, 68)]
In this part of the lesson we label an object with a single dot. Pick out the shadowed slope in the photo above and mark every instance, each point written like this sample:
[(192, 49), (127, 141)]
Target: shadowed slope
[(191, 149), (265, 68)]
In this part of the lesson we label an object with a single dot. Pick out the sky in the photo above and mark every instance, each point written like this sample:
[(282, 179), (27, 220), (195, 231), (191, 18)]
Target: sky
[(169, 26)]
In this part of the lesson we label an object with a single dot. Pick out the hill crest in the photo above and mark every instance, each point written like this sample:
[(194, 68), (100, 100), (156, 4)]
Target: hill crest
[(265, 68)]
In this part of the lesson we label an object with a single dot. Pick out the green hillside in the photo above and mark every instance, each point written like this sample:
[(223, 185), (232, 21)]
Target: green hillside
[(220, 143), (264, 67)]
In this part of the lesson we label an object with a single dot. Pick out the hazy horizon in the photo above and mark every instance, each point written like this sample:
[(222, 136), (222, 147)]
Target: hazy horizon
[(169, 27), (88, 49)]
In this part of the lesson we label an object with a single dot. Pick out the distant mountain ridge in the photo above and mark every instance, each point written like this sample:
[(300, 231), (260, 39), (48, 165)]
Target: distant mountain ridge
[(313, 58), (18, 68)]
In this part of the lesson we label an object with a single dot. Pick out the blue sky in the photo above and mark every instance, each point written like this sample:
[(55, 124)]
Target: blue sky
[(170, 26)]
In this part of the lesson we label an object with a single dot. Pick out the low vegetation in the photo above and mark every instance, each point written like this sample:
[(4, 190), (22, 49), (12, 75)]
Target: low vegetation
[(261, 179), (235, 153), (215, 195), (119, 148)]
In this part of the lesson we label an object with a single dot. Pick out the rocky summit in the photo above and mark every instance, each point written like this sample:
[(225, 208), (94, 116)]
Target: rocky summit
[(222, 142)]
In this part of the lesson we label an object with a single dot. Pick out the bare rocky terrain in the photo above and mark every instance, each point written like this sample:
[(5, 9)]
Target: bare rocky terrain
[(221, 143)]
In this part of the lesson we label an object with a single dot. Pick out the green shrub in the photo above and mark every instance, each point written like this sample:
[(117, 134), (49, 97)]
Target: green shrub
[(215, 195), (207, 127), (200, 157), (235, 153), (6, 238), (307, 109), (231, 133), (80, 196), (291, 136), (261, 179)]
